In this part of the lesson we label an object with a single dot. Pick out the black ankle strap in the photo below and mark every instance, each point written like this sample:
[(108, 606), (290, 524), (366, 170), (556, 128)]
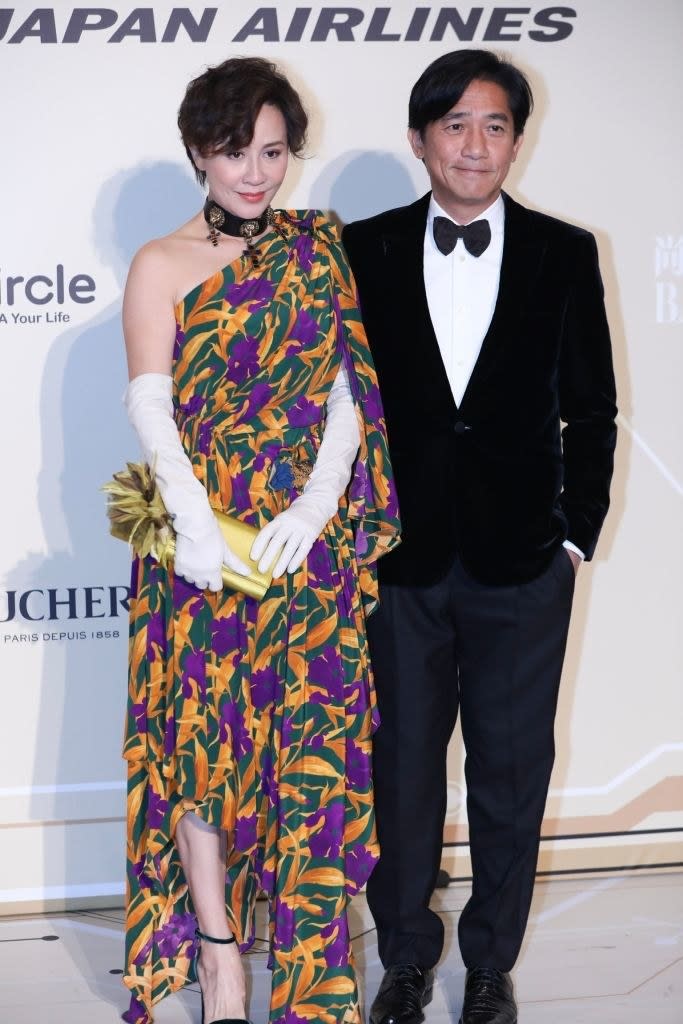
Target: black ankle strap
[(212, 938)]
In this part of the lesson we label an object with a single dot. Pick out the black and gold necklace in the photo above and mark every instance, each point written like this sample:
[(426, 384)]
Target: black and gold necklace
[(227, 223)]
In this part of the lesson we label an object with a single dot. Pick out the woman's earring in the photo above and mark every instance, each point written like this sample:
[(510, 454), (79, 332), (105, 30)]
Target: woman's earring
[(216, 218)]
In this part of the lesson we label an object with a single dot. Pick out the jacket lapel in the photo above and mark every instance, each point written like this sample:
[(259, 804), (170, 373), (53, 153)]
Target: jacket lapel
[(403, 246), (523, 252)]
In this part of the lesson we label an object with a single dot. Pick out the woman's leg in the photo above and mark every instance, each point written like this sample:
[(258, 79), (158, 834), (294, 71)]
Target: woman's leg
[(221, 976)]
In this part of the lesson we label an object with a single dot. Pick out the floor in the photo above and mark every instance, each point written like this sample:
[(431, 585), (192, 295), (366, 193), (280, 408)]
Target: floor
[(598, 951)]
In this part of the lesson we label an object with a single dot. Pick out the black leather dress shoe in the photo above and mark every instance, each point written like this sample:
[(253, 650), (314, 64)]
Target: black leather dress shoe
[(405, 990), (489, 998)]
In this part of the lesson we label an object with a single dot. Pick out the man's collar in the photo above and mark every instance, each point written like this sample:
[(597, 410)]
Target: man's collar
[(494, 214)]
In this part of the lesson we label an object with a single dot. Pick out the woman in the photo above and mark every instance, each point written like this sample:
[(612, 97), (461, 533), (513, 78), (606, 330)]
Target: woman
[(248, 729)]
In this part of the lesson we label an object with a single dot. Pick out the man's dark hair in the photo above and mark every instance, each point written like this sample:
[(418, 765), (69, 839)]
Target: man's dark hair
[(220, 108), (441, 85)]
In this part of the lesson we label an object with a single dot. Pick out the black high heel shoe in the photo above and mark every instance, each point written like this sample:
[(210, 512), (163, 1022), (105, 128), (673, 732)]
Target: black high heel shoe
[(219, 942)]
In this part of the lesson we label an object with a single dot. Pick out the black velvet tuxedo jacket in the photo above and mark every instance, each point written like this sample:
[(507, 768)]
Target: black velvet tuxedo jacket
[(498, 480)]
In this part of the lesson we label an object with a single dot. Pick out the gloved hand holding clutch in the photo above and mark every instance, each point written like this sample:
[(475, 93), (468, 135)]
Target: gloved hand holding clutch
[(297, 528), (200, 548)]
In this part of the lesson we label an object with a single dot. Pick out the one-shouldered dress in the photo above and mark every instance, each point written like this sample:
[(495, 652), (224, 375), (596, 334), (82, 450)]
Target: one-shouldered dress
[(258, 716)]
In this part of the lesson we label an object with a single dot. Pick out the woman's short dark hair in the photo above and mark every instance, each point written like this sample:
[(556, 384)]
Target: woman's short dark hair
[(220, 107), (441, 85)]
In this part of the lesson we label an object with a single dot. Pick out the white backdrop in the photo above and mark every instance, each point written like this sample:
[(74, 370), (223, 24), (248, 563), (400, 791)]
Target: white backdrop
[(93, 167)]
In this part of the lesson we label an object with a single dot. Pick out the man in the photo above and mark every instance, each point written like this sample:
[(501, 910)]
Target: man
[(488, 330)]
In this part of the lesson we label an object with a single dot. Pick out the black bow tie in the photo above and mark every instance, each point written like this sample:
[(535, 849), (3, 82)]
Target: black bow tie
[(475, 236)]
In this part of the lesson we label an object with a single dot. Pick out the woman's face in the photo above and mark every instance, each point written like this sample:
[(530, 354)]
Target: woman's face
[(245, 182)]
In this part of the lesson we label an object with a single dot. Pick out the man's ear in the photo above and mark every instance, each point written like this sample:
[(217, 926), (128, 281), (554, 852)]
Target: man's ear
[(415, 140), (515, 149)]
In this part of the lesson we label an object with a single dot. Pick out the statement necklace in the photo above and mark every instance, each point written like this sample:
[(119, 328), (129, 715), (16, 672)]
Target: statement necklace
[(227, 223)]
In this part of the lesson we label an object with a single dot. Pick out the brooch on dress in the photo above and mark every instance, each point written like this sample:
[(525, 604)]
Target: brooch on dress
[(290, 471)]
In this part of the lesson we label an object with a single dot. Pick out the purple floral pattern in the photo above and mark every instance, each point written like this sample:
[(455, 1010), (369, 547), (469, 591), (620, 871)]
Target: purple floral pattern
[(305, 329), (358, 866), (304, 413), (243, 360), (256, 292), (336, 938)]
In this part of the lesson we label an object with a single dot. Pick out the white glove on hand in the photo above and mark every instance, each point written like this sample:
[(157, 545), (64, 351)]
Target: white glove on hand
[(297, 528), (201, 550), (292, 533)]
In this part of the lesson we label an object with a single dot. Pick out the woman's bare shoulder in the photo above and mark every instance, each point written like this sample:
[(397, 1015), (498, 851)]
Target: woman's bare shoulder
[(157, 271), (167, 250), (166, 260)]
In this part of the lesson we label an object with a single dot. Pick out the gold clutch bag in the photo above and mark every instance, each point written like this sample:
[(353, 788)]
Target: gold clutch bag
[(137, 515)]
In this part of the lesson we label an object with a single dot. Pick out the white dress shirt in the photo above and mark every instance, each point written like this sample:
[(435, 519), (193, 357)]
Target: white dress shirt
[(461, 295)]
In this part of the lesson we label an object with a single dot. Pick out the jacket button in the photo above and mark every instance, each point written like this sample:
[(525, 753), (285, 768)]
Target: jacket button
[(460, 427)]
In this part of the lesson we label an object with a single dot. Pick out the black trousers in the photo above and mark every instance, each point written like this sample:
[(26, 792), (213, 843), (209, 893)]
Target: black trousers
[(495, 654)]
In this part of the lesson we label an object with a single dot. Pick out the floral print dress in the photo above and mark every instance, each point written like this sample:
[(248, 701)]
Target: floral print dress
[(258, 716)]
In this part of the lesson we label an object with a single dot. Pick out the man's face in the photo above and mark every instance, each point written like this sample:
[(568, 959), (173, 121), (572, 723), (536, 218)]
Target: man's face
[(468, 151)]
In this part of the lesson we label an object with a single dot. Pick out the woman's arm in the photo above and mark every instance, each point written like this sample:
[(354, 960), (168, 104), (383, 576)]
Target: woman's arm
[(149, 328), (148, 312)]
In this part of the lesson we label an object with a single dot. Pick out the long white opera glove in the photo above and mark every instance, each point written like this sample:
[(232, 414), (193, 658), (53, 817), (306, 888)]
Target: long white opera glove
[(200, 547), (297, 528)]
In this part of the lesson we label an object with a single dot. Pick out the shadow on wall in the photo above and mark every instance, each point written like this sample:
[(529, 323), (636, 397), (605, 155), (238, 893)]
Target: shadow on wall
[(360, 184), (85, 438)]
